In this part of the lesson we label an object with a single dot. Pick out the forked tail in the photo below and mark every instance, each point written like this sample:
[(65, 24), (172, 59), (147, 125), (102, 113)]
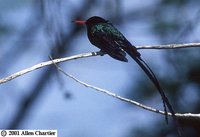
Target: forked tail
[(166, 104)]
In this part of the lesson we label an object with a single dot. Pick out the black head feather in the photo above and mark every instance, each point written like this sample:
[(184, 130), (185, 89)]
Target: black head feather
[(95, 20)]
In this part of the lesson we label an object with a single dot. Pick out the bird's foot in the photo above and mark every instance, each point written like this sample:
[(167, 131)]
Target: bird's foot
[(101, 53)]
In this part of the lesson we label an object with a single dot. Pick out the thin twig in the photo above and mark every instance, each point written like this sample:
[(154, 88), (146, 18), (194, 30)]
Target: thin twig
[(179, 115), (47, 63), (169, 46), (84, 55)]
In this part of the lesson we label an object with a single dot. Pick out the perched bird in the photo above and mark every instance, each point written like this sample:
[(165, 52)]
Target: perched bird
[(111, 41)]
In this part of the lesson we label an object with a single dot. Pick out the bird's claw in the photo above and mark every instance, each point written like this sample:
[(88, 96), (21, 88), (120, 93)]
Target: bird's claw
[(101, 53)]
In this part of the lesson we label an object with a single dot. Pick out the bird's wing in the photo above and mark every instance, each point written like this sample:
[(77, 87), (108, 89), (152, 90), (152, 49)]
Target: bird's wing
[(108, 43), (115, 38)]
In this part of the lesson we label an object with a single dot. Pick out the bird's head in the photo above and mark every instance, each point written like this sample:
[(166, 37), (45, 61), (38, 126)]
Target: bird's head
[(91, 21)]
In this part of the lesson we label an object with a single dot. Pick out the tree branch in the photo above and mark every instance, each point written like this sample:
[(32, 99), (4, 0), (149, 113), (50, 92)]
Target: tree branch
[(169, 46), (185, 117), (180, 116), (84, 55), (47, 63)]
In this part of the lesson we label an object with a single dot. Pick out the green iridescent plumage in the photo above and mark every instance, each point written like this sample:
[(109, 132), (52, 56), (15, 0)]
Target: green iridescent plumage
[(108, 29)]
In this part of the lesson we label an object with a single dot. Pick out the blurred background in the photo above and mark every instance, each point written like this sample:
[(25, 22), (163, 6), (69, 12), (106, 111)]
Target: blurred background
[(32, 30)]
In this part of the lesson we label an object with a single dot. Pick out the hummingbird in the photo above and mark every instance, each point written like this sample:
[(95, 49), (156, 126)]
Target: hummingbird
[(102, 34)]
